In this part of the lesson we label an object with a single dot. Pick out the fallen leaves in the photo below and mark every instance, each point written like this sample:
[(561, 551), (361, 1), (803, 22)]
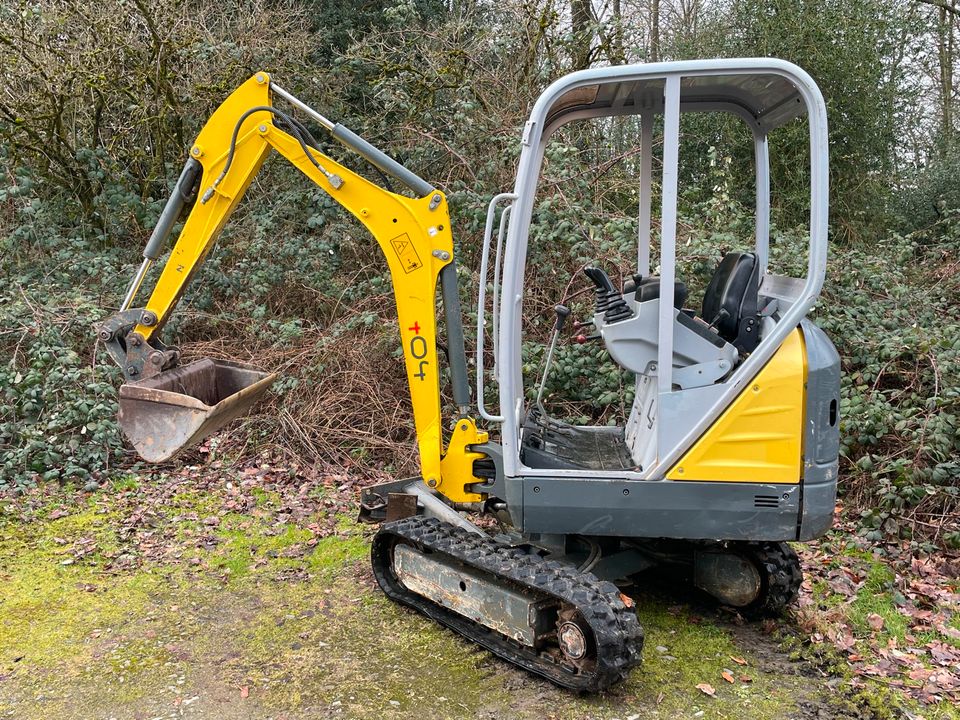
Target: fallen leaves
[(156, 521), (727, 676), (707, 689), (902, 589)]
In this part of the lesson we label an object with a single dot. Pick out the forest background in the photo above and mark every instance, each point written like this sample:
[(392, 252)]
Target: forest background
[(116, 574), (100, 102)]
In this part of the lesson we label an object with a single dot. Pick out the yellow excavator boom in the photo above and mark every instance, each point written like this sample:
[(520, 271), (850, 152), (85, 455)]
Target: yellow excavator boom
[(413, 233)]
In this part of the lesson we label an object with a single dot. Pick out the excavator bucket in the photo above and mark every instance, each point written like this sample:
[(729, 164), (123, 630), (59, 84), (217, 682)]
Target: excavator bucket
[(176, 409)]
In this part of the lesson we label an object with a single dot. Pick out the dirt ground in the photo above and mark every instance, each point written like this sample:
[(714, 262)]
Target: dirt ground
[(218, 593)]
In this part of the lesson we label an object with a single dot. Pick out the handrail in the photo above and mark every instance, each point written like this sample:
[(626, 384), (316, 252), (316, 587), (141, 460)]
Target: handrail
[(482, 297), (495, 314)]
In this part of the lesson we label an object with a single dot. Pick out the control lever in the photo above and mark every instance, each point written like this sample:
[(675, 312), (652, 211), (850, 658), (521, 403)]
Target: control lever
[(581, 338), (563, 312), (721, 316)]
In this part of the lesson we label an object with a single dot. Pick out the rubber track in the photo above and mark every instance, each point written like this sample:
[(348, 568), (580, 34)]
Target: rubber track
[(782, 578), (617, 632)]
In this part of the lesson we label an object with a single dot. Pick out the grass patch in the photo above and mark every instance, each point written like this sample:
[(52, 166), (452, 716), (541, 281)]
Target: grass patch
[(876, 597), (301, 629), (125, 483), (333, 552)]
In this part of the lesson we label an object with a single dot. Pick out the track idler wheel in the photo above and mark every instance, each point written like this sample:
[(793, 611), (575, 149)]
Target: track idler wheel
[(541, 615), (758, 579)]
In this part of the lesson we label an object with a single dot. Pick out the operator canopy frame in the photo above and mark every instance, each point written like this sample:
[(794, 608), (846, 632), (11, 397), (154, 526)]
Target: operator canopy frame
[(766, 94)]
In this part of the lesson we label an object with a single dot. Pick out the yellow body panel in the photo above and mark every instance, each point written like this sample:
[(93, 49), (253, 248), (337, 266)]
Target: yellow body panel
[(415, 239), (759, 437)]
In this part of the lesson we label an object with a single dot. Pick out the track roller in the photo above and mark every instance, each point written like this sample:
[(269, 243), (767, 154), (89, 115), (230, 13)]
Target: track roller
[(542, 615)]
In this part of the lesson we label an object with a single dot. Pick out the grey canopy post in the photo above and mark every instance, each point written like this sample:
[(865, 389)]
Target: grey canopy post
[(761, 157), (646, 192), (668, 232)]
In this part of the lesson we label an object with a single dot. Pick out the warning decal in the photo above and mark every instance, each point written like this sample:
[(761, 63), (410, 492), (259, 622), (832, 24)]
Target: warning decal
[(407, 253)]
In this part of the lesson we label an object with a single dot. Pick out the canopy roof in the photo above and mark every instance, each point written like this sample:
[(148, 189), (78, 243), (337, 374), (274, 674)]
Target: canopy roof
[(765, 100)]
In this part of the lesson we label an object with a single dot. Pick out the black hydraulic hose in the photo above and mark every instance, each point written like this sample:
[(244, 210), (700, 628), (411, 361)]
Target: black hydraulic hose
[(593, 558), (304, 133), (383, 176), (294, 131), (311, 141), (300, 133)]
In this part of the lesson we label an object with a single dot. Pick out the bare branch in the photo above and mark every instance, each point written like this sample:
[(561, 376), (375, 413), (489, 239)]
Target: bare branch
[(943, 5)]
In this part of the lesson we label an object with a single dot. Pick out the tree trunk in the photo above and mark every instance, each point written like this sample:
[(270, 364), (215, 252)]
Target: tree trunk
[(949, 79), (617, 53), (581, 20), (654, 30), (945, 55)]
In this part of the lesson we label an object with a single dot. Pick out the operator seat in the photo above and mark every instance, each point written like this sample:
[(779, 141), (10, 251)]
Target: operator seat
[(648, 288), (730, 300)]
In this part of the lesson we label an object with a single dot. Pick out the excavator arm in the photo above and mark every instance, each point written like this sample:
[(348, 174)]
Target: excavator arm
[(413, 233)]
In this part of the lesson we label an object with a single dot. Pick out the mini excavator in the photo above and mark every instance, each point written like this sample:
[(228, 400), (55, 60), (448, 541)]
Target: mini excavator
[(730, 448)]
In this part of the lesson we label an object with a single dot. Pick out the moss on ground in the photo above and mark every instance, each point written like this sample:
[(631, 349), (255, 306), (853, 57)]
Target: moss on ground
[(877, 597), (266, 622), (59, 611), (682, 652)]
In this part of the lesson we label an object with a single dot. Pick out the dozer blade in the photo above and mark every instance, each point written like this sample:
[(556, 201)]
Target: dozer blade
[(176, 409)]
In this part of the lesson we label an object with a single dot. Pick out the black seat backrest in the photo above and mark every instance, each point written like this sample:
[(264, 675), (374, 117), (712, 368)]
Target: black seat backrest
[(730, 301), (649, 289)]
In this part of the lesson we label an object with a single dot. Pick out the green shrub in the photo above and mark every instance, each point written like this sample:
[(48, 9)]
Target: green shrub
[(893, 310), (58, 409), (929, 195)]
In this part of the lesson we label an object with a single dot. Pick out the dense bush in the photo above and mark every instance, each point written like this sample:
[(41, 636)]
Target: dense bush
[(894, 312), (928, 195), (57, 413)]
